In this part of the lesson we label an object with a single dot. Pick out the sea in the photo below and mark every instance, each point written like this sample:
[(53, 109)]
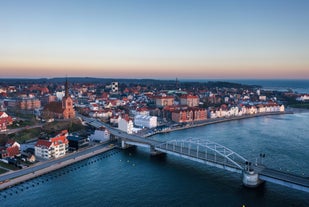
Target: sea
[(296, 85), (134, 178)]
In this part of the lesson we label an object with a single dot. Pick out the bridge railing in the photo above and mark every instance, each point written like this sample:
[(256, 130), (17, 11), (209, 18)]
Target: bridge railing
[(205, 150)]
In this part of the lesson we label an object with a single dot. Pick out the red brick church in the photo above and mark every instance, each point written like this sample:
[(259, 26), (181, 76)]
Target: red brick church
[(60, 110)]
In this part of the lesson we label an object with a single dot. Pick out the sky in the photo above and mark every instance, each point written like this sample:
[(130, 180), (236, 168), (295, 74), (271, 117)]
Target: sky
[(168, 39)]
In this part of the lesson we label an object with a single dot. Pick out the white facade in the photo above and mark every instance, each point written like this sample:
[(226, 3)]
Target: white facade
[(60, 95), (114, 87), (43, 152), (100, 136), (125, 125), (303, 98), (145, 121)]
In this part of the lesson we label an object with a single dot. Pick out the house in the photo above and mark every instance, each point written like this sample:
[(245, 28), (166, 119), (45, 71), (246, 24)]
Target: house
[(10, 150), (5, 120), (53, 147)]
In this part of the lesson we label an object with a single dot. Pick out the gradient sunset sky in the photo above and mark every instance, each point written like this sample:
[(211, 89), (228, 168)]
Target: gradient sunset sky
[(207, 39)]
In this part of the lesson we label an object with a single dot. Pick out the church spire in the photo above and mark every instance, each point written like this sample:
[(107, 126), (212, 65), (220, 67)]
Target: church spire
[(66, 87)]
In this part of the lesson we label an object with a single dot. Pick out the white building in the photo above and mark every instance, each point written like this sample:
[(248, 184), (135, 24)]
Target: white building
[(53, 147), (100, 135), (303, 98), (115, 87), (125, 125), (60, 95), (145, 121)]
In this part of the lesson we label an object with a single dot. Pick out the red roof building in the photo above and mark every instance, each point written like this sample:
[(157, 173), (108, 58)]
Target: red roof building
[(11, 149)]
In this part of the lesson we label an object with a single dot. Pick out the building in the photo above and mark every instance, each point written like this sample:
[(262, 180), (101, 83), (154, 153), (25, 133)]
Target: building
[(67, 104), (114, 87), (75, 142), (46, 99), (5, 120), (145, 121), (181, 116), (126, 125), (29, 103), (60, 110), (10, 150), (189, 100), (100, 135), (164, 100), (189, 115), (53, 147)]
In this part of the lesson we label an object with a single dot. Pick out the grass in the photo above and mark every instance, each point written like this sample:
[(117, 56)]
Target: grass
[(49, 128), (8, 166), (300, 105), (3, 171)]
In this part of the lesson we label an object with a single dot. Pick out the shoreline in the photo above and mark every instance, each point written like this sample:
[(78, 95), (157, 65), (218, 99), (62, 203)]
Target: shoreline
[(60, 163), (220, 120), (81, 155)]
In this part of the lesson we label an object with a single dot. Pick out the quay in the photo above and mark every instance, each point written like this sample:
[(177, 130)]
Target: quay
[(13, 178)]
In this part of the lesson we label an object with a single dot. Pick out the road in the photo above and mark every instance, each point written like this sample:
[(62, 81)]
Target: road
[(40, 166)]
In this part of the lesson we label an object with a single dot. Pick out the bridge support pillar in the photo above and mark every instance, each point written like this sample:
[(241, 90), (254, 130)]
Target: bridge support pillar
[(124, 145), (154, 152), (251, 179)]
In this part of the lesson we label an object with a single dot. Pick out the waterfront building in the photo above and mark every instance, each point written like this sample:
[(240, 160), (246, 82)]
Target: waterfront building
[(200, 114), (145, 121), (53, 147), (76, 142), (100, 135), (125, 124)]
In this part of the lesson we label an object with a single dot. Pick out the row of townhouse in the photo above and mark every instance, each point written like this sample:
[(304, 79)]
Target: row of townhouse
[(245, 110), (189, 115)]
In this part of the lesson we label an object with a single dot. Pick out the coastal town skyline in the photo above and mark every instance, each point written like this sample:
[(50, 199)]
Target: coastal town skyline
[(161, 40)]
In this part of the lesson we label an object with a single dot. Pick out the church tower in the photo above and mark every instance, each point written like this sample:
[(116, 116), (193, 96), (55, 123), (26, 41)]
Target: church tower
[(67, 103)]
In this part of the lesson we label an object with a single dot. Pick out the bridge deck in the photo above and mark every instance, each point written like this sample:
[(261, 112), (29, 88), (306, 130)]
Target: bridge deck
[(266, 173)]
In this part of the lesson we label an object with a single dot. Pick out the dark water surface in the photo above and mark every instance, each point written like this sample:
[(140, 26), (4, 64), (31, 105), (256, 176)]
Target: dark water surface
[(133, 178)]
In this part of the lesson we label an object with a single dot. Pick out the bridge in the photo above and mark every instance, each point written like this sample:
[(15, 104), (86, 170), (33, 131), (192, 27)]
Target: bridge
[(209, 153)]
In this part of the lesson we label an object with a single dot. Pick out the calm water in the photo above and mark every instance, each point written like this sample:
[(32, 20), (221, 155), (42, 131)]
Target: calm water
[(133, 178)]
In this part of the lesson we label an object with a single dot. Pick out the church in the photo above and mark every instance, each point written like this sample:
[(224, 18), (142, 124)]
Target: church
[(60, 110)]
